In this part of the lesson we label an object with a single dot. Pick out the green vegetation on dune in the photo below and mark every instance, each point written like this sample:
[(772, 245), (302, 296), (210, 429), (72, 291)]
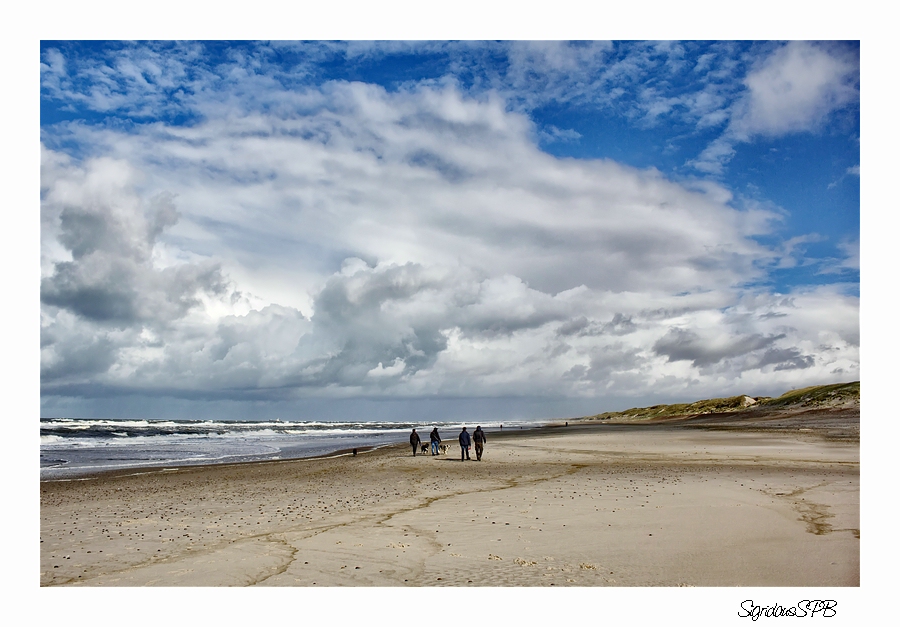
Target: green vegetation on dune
[(818, 395), (814, 396)]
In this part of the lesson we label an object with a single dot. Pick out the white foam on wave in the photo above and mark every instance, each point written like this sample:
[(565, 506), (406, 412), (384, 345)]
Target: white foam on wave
[(117, 444)]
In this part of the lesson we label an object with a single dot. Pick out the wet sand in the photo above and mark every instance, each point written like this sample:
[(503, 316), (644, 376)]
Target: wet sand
[(584, 505)]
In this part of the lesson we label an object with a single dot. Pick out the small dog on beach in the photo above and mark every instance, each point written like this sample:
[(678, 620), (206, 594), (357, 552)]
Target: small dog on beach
[(443, 449), (424, 448)]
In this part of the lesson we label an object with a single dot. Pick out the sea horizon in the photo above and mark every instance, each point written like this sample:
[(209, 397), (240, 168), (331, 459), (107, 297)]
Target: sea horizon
[(76, 447)]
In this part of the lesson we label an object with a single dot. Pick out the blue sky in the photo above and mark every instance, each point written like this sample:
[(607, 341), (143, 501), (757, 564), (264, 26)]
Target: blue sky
[(510, 229)]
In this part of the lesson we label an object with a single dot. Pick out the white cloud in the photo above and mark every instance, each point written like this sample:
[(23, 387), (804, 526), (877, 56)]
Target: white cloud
[(555, 134), (851, 252), (143, 80), (640, 80), (849, 261), (795, 89), (851, 171), (353, 241), (391, 371)]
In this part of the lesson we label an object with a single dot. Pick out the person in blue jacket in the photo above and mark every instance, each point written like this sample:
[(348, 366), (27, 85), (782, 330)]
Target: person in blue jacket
[(465, 441), (435, 441)]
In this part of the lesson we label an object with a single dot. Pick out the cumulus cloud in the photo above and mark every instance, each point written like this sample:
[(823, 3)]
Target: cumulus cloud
[(110, 235), (795, 89), (434, 177), (358, 241)]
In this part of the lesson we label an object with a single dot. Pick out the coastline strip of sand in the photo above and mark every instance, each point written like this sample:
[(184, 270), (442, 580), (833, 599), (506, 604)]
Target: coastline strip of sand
[(589, 505)]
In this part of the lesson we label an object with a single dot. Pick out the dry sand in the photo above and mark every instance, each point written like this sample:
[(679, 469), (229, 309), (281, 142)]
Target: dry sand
[(585, 505)]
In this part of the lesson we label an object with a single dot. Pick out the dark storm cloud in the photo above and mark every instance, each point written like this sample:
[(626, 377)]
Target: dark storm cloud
[(111, 277), (392, 315), (620, 325), (572, 327), (580, 326), (612, 359), (81, 358), (686, 345), (786, 359), (364, 315)]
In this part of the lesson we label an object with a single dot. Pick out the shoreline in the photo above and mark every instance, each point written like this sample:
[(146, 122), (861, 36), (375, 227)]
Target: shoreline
[(584, 505), (88, 475), (132, 471), (799, 420)]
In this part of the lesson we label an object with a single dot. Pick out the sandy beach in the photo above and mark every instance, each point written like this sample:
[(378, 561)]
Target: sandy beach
[(582, 505)]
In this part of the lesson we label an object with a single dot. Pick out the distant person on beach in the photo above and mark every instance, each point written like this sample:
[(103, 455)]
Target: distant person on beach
[(414, 440), (479, 439), (435, 441), (465, 441)]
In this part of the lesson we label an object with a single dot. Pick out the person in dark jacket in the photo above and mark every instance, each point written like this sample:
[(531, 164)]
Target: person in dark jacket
[(465, 441), (479, 438), (414, 440), (435, 441)]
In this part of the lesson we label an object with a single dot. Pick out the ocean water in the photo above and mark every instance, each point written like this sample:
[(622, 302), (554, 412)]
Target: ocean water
[(73, 447)]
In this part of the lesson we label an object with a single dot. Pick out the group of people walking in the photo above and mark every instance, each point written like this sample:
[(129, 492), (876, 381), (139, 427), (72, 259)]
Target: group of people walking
[(465, 442)]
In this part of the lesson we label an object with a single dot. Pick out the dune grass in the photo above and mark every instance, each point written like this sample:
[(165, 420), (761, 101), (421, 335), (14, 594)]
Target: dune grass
[(813, 396)]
